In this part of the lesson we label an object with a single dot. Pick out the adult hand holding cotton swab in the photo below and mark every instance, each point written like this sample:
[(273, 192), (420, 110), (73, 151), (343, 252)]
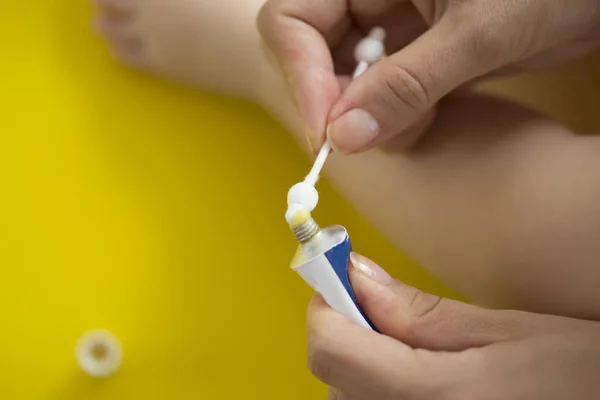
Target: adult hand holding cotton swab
[(303, 195)]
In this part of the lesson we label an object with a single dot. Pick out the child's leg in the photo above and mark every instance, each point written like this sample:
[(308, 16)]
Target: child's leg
[(211, 44), (499, 202), (570, 94)]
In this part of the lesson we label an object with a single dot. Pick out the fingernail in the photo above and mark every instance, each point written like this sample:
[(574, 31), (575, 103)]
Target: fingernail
[(309, 141), (290, 87), (331, 142), (308, 131), (354, 130), (370, 269)]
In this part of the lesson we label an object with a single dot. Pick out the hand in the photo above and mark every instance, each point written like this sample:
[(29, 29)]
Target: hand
[(435, 46), (434, 348)]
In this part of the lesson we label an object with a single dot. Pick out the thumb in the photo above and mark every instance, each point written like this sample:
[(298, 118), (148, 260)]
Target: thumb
[(396, 93), (422, 320)]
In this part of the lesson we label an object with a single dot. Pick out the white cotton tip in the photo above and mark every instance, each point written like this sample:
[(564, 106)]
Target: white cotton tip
[(301, 196), (371, 49), (378, 33), (99, 353)]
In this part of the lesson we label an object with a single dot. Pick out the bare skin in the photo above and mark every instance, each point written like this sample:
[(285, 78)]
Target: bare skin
[(498, 201)]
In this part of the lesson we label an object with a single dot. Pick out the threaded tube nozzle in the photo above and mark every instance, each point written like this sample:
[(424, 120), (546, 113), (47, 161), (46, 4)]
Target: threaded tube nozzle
[(306, 231)]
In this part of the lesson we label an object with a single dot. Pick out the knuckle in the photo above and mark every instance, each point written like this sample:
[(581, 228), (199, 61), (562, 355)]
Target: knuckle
[(424, 305), (268, 21), (405, 88), (472, 380), (484, 36), (464, 373), (422, 314), (266, 15), (319, 359)]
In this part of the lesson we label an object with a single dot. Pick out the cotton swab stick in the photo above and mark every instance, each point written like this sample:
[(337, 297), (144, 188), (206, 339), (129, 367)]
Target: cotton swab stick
[(303, 195)]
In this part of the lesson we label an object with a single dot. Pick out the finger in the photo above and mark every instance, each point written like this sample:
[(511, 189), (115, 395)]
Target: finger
[(333, 394), (300, 34), (367, 365), (394, 93), (116, 10), (423, 320), (336, 394), (400, 20)]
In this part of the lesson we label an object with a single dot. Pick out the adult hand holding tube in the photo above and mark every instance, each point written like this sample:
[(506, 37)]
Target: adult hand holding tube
[(435, 348)]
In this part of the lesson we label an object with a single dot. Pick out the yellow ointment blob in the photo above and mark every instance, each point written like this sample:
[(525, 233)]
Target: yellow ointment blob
[(299, 218), (297, 259)]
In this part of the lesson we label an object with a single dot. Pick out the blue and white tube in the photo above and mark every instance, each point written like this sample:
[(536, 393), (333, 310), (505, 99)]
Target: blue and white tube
[(322, 261)]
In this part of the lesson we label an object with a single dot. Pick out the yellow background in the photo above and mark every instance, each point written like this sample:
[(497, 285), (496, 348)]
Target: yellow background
[(124, 208)]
